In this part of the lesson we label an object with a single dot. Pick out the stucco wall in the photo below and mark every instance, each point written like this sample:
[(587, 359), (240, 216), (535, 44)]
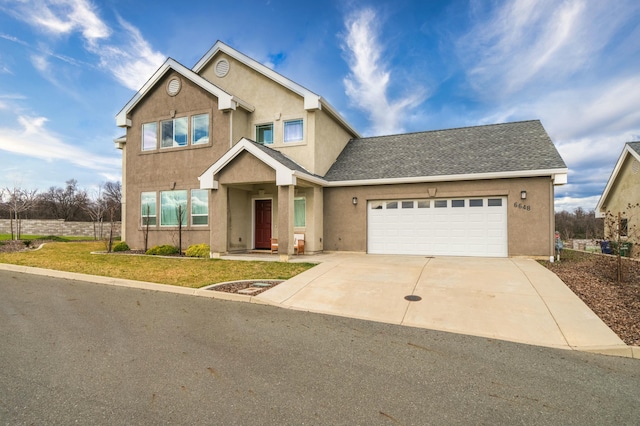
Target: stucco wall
[(58, 228), (529, 230), (625, 191), (170, 168)]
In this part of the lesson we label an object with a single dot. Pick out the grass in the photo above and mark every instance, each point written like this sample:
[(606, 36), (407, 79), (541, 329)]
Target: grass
[(185, 272)]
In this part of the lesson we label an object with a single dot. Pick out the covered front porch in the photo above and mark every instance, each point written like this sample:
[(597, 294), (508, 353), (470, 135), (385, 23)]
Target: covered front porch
[(255, 198)]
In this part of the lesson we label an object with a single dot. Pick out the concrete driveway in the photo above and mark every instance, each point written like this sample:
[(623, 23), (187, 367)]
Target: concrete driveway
[(510, 299)]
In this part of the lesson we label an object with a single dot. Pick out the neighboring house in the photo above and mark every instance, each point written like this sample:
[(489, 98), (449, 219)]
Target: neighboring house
[(622, 190), (245, 155)]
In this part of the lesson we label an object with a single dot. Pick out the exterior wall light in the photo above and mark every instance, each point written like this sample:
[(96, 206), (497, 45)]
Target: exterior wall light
[(523, 195), (354, 200)]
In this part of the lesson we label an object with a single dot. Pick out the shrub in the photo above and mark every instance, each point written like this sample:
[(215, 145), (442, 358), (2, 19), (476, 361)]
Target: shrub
[(121, 246), (198, 250), (56, 239), (163, 250)]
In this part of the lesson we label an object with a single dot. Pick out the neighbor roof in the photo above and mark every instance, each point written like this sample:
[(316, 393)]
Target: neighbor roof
[(630, 148), (513, 149)]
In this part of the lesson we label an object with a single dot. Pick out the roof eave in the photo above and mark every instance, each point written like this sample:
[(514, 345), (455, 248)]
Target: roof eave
[(559, 176), (614, 175)]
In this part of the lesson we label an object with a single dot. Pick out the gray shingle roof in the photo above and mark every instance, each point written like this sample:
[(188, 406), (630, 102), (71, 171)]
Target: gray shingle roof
[(283, 159), (510, 147), (635, 146)]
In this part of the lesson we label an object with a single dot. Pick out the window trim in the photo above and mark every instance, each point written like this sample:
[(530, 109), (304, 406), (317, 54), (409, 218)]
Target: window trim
[(284, 131), (192, 129), (305, 212), (174, 144), (192, 214), (257, 126), (142, 144), (186, 201), (155, 215)]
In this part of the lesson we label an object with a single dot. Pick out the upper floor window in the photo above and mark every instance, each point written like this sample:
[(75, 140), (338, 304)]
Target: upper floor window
[(173, 132), (293, 131), (149, 136), (200, 129), (264, 134)]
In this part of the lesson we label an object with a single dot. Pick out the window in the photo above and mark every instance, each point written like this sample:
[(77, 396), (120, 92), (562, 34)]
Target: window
[(494, 202), (148, 208), (200, 129), (264, 134), (457, 203), (174, 132), (476, 203), (376, 205), (199, 207), (149, 136), (424, 204), (293, 131), (173, 205), (392, 205), (407, 204), (624, 227), (300, 212), (440, 204)]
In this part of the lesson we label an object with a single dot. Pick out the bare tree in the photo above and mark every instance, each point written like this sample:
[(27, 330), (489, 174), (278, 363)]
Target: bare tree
[(620, 233), (96, 207), (67, 203), (18, 202), (113, 203)]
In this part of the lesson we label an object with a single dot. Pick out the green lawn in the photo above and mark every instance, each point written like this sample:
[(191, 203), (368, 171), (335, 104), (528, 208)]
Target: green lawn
[(185, 272)]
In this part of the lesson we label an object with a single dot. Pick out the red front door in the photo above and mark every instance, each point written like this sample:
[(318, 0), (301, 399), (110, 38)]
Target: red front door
[(263, 224)]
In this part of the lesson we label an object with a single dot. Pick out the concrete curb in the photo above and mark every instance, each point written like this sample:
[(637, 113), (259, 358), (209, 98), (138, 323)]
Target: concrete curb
[(143, 285)]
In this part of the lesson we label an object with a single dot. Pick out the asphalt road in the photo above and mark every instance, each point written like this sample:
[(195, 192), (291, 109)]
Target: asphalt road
[(75, 352)]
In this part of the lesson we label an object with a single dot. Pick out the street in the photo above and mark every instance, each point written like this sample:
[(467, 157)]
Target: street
[(75, 352)]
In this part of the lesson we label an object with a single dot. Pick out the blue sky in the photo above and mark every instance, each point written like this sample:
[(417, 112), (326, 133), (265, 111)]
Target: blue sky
[(68, 66)]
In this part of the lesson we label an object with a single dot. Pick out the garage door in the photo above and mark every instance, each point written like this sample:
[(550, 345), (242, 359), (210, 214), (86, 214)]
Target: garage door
[(439, 227)]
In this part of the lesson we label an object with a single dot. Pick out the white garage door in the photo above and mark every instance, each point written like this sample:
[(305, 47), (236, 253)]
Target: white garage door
[(440, 227)]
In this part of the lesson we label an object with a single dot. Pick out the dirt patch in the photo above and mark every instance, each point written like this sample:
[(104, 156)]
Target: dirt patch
[(11, 246), (592, 277)]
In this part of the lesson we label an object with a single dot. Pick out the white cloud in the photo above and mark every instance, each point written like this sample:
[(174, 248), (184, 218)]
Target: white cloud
[(368, 82), (538, 43), (33, 139), (122, 52)]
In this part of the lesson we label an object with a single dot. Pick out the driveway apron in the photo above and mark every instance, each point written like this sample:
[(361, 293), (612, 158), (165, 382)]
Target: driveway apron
[(504, 298)]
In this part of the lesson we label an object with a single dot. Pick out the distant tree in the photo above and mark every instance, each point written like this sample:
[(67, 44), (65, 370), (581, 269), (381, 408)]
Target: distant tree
[(18, 201), (96, 207), (113, 203), (579, 224), (68, 203)]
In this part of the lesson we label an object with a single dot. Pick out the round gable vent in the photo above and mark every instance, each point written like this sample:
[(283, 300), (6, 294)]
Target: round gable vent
[(222, 68), (173, 87)]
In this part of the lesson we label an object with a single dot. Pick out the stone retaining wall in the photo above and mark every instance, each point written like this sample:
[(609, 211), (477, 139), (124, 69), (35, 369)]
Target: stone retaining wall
[(58, 228)]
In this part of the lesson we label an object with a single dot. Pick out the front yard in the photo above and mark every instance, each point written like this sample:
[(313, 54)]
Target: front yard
[(179, 271), (593, 278)]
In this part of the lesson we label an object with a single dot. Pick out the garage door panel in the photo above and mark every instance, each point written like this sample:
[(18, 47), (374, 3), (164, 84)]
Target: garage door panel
[(402, 227)]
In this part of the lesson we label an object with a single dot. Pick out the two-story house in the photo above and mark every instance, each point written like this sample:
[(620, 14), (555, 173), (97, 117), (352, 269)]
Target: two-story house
[(237, 154)]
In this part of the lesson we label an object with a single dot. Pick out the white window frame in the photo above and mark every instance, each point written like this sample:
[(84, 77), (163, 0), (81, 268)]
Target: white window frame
[(143, 216), (186, 200), (174, 143), (284, 130), (305, 212), (193, 128), (272, 133), (206, 214), (155, 146)]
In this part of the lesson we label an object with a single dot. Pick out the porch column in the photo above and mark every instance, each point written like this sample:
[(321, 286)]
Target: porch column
[(218, 221), (318, 220), (285, 221)]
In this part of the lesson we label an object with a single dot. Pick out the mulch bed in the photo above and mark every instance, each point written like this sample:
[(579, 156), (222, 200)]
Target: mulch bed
[(593, 278), (236, 286), (11, 246)]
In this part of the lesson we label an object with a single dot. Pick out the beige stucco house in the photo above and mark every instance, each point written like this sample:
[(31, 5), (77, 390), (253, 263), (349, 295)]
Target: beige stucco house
[(622, 192), (239, 155)]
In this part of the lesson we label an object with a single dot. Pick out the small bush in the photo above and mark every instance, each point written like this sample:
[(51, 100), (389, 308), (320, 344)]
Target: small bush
[(198, 250), (163, 250), (121, 246), (56, 238)]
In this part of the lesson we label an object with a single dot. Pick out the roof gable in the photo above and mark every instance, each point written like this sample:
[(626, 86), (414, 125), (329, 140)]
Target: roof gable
[(500, 150), (630, 148), (286, 169), (312, 101), (226, 101)]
